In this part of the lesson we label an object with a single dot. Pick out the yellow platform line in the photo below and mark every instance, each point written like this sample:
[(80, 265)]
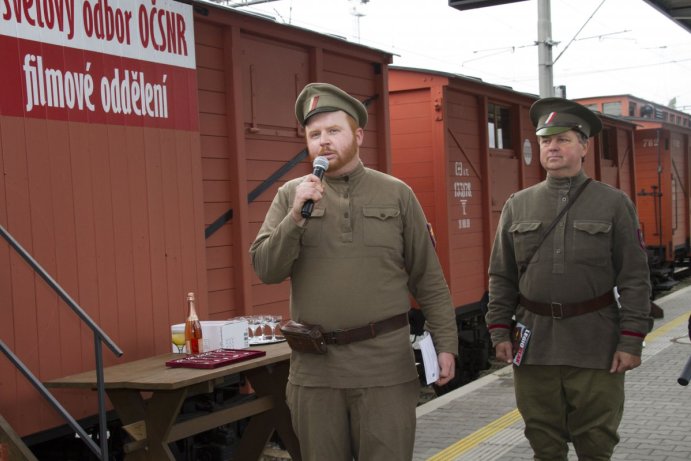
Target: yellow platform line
[(683, 318), (477, 437), (498, 425)]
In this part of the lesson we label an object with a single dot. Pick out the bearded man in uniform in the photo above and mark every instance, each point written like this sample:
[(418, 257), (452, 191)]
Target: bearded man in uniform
[(352, 264)]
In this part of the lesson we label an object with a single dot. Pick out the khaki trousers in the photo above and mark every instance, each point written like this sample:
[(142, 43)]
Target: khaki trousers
[(369, 424), (561, 404)]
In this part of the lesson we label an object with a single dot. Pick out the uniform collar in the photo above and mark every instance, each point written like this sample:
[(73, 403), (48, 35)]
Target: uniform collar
[(350, 178), (567, 183)]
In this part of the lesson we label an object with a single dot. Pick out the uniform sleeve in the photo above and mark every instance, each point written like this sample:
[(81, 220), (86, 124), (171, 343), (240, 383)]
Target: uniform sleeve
[(632, 279), (426, 280), (277, 244), (503, 280)]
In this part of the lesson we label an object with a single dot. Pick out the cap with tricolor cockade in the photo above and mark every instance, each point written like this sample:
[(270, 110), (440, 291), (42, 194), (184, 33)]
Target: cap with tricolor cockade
[(324, 97), (556, 115)]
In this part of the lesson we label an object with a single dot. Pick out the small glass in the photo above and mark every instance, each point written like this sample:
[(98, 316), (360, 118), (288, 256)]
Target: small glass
[(262, 322), (178, 337), (274, 321), (254, 324)]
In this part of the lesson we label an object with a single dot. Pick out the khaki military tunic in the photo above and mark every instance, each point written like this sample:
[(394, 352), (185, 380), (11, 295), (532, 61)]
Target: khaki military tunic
[(596, 246), (358, 258)]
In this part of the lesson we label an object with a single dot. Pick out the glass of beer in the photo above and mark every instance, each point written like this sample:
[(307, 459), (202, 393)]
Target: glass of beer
[(178, 335)]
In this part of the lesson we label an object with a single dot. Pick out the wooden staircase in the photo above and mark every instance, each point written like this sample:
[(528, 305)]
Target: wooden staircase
[(12, 447)]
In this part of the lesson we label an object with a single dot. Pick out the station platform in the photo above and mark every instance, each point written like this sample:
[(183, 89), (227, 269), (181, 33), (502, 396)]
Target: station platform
[(480, 422)]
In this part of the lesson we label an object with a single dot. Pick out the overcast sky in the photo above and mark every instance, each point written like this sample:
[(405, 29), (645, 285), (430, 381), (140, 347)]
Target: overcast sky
[(609, 47)]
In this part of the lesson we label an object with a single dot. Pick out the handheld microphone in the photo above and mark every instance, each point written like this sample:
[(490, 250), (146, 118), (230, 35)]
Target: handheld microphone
[(320, 165), (685, 376)]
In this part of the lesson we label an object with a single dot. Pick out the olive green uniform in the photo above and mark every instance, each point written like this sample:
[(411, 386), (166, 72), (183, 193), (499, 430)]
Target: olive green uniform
[(595, 247), (358, 258)]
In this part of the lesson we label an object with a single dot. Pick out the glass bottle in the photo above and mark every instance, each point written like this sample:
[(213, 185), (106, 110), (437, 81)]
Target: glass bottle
[(193, 328)]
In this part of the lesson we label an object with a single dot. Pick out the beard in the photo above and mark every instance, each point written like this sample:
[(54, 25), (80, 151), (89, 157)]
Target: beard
[(343, 158)]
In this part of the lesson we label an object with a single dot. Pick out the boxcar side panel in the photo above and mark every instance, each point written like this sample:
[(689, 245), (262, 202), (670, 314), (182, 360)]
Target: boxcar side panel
[(274, 72), (649, 155), (465, 177), (679, 192), (625, 159), (109, 212), (411, 145), (217, 174)]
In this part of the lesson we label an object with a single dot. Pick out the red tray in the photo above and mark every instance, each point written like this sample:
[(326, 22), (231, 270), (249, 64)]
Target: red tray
[(215, 358)]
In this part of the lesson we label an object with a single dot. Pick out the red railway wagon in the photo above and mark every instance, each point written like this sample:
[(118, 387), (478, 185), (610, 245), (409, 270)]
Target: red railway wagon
[(611, 156), (129, 211), (664, 198), (465, 146), (662, 173)]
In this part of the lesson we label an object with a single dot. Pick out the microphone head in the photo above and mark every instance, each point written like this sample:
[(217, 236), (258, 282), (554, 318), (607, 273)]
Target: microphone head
[(321, 162)]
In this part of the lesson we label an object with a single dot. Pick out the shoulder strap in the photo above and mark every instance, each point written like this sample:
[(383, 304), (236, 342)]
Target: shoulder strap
[(549, 229)]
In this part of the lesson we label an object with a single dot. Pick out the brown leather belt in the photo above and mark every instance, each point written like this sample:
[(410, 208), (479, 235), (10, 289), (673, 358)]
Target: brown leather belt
[(562, 311), (368, 331)]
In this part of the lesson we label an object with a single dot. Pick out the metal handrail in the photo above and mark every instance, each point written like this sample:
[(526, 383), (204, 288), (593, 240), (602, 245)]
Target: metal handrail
[(99, 336)]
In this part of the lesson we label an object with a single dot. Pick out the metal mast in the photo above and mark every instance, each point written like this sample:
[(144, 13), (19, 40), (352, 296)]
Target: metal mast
[(544, 50)]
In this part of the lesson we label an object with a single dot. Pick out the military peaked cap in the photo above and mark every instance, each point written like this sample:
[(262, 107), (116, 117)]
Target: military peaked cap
[(556, 115), (324, 97)]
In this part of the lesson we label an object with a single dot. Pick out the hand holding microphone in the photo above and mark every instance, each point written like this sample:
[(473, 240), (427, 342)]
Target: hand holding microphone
[(320, 165)]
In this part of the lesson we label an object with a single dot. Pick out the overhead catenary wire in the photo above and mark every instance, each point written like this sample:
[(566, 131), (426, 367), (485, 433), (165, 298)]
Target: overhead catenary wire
[(504, 65), (579, 31)]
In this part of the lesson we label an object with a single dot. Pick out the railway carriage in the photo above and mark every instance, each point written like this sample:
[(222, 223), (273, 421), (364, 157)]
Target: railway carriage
[(129, 212)]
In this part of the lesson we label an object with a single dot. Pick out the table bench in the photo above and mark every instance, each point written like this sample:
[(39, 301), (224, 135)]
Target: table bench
[(153, 423)]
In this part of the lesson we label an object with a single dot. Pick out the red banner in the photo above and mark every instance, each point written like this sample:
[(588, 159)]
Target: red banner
[(113, 62), (60, 83)]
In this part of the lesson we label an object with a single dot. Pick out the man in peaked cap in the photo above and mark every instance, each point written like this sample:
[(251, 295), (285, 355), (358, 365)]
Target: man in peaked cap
[(555, 115), (352, 264), (316, 98), (563, 245)]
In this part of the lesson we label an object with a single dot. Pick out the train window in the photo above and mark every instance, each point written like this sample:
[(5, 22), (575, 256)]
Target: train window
[(499, 126), (612, 108), (632, 109), (608, 144)]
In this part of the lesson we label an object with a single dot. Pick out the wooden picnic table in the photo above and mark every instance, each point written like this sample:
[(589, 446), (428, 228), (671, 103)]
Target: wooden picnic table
[(153, 422)]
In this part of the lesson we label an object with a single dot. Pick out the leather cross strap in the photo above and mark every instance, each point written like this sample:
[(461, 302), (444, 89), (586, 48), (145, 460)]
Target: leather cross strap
[(368, 331), (523, 267), (562, 311)]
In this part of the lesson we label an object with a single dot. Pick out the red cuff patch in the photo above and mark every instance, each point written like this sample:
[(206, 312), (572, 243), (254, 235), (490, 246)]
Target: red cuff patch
[(632, 333)]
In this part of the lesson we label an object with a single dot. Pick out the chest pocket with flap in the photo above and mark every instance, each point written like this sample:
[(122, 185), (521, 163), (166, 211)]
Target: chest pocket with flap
[(382, 226), (526, 238), (592, 242)]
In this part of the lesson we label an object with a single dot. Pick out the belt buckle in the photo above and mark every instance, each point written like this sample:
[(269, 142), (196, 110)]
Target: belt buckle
[(554, 307)]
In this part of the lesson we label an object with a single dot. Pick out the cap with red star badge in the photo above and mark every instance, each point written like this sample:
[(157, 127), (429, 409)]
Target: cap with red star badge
[(324, 97), (556, 115)]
